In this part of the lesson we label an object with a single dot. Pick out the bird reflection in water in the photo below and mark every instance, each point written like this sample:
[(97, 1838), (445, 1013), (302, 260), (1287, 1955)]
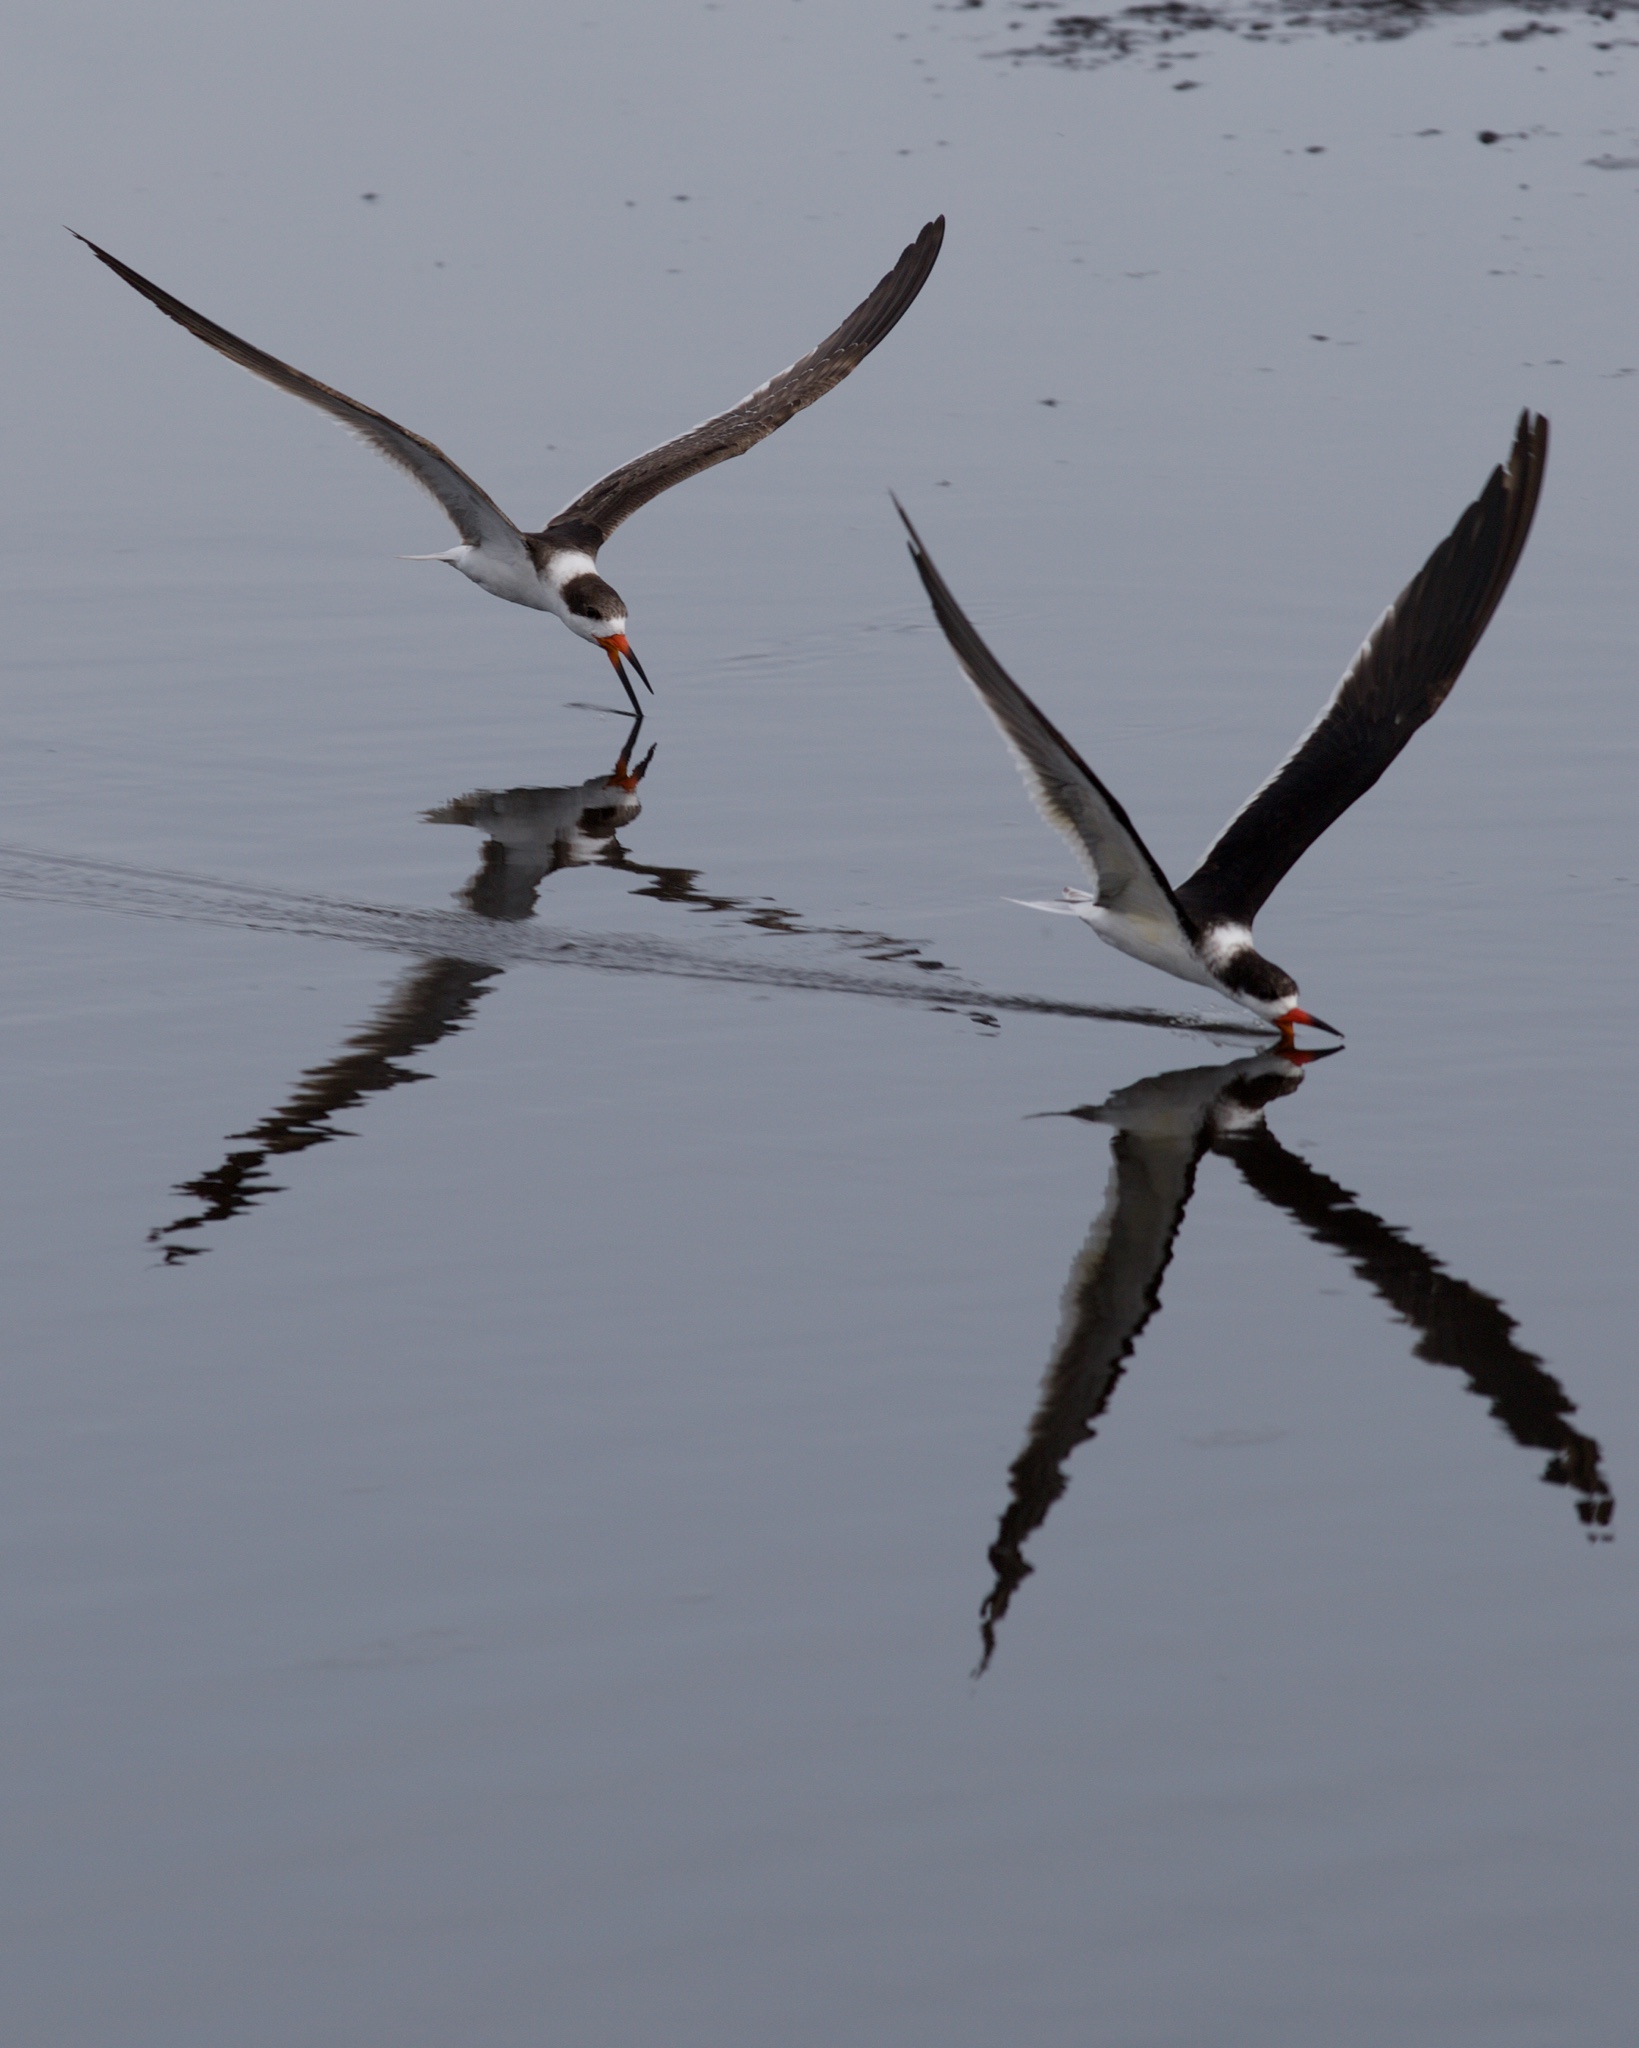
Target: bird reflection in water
[(530, 834), (1161, 1130)]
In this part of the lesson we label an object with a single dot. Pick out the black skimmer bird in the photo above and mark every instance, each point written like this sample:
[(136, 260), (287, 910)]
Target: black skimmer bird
[(555, 569), (1202, 930)]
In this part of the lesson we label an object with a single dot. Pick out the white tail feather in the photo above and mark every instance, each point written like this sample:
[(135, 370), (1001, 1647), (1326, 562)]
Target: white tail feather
[(1070, 909)]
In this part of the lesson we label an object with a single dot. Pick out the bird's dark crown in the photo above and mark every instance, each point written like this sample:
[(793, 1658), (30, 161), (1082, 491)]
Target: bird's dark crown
[(1248, 973), (589, 597)]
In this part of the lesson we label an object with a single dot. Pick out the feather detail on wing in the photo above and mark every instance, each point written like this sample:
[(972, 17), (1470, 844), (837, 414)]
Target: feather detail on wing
[(1396, 683), (1067, 792), (595, 514), (474, 514)]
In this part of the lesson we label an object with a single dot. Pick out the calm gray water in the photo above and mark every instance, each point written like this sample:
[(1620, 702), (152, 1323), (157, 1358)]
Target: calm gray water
[(546, 1351)]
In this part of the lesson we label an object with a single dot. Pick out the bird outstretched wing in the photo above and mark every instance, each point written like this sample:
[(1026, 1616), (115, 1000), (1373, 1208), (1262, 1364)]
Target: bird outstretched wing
[(474, 514), (1396, 683), (595, 514), (1067, 792)]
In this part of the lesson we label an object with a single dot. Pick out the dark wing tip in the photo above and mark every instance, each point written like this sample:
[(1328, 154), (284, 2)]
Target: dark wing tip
[(1527, 462), (875, 318), (1397, 682), (958, 628), (1492, 534), (1527, 466), (101, 255), (114, 264)]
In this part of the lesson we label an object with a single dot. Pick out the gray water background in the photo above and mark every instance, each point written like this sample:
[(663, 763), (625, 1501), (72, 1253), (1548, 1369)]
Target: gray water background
[(520, 1581)]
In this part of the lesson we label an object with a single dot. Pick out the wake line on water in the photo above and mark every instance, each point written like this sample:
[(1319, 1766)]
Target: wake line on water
[(459, 935)]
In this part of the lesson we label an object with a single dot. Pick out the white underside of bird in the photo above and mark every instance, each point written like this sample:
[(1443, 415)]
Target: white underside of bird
[(510, 574), (1157, 941)]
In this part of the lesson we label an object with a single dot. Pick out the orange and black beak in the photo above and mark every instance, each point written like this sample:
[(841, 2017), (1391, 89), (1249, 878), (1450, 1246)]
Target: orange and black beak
[(1288, 1024), (615, 645)]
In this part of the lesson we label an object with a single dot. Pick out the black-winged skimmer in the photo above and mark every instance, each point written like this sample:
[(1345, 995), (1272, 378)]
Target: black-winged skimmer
[(555, 570), (1202, 930)]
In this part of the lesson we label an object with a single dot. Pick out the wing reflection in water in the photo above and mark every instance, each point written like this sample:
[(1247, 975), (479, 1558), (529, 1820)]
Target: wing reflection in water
[(530, 834), (427, 1004), (1162, 1128)]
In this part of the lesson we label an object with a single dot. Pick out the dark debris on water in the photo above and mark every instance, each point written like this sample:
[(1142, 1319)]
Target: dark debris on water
[(1161, 27)]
